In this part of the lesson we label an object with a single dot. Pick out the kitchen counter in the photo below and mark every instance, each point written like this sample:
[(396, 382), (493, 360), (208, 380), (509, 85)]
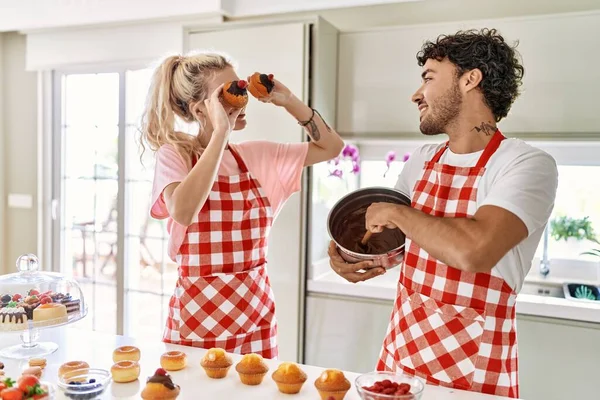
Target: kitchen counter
[(96, 348), (384, 288)]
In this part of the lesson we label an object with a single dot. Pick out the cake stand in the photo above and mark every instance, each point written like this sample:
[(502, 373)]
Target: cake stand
[(29, 289)]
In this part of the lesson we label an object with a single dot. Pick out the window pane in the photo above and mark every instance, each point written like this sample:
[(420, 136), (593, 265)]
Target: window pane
[(138, 83), (91, 99), (139, 221), (146, 320), (106, 205), (577, 197), (326, 191), (138, 169), (144, 264), (79, 203), (376, 173)]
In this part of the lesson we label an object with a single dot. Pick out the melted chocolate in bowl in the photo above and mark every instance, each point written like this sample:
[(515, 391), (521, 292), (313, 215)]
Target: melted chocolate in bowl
[(346, 225), (351, 230)]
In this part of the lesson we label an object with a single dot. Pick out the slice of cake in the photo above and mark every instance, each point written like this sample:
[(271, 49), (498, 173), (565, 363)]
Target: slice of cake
[(13, 318)]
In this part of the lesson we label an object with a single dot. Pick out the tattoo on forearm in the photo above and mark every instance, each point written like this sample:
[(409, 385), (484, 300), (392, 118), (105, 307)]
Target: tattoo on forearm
[(311, 126), (323, 119), (486, 128), (313, 131)]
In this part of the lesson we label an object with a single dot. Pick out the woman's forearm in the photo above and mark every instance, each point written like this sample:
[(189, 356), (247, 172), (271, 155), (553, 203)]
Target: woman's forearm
[(188, 198)]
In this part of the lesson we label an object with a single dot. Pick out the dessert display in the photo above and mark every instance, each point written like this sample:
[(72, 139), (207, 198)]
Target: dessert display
[(173, 360), (216, 363), (332, 385), (38, 362), (72, 368), (260, 85), (125, 371), (126, 353), (31, 299), (27, 387), (252, 369), (388, 387), (235, 93), (160, 386), (289, 378)]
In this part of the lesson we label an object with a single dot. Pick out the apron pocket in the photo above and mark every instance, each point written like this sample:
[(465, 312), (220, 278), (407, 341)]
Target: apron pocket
[(438, 340), (226, 305)]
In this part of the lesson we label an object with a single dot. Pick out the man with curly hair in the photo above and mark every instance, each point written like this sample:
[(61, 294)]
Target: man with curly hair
[(480, 203)]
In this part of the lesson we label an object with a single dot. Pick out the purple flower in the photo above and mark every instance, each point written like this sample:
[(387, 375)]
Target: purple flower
[(337, 173), (351, 152), (390, 158), (334, 161), (355, 167), (406, 157)]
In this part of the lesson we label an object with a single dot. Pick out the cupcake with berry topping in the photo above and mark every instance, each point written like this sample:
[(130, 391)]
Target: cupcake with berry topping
[(160, 386)]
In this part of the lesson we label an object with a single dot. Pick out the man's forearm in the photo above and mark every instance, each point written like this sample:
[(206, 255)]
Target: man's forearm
[(454, 241)]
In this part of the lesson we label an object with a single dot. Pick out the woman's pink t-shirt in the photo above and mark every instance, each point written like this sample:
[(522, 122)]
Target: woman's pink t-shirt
[(277, 167)]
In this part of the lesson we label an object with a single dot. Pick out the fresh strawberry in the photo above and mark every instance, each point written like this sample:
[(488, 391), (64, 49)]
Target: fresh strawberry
[(27, 383), (33, 292), (11, 394), (161, 372), (17, 297), (45, 300)]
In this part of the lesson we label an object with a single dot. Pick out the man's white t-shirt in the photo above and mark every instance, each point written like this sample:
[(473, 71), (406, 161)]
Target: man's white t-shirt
[(518, 177)]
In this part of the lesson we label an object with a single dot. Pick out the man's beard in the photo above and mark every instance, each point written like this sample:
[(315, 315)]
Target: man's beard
[(446, 109)]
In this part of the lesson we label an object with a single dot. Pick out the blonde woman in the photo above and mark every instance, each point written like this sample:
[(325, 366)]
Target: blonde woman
[(220, 200)]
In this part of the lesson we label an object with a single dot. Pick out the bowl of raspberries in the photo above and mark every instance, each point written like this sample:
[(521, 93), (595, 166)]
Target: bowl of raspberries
[(384, 385)]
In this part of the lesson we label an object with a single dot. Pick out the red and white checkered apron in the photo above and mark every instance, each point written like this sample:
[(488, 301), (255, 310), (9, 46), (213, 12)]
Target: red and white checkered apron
[(223, 297), (450, 327)]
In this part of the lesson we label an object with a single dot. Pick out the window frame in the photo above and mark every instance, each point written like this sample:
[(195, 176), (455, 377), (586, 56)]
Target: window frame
[(51, 170), (566, 152)]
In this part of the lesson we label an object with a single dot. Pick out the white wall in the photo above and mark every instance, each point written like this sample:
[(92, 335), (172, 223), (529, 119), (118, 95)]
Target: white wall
[(2, 158), (19, 124), (379, 73)]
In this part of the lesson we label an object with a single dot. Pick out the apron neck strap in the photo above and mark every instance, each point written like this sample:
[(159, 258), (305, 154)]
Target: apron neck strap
[(490, 149), (241, 164)]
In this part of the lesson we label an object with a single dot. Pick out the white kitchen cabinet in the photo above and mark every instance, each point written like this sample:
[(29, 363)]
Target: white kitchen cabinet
[(558, 359), (378, 73), (344, 332), (299, 55)]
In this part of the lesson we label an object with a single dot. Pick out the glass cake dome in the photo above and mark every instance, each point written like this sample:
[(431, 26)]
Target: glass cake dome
[(30, 300)]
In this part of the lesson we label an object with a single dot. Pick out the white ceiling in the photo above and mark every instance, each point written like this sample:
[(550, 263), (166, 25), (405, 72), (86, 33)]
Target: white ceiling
[(347, 15)]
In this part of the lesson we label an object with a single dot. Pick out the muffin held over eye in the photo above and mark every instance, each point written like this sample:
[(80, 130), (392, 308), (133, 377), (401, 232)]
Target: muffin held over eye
[(332, 385), (216, 363), (252, 369), (289, 378), (235, 93)]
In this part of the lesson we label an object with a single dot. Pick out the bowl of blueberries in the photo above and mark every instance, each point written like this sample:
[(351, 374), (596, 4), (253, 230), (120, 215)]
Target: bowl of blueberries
[(88, 384)]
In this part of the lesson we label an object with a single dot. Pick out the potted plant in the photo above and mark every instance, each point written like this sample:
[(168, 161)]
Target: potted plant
[(570, 234)]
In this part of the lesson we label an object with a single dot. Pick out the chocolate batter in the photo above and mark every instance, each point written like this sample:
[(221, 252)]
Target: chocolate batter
[(351, 230)]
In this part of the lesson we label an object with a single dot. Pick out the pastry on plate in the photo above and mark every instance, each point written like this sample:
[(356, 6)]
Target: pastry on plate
[(50, 314), (216, 363), (126, 353), (332, 385), (289, 378), (13, 318), (125, 371), (160, 386), (252, 369), (173, 360)]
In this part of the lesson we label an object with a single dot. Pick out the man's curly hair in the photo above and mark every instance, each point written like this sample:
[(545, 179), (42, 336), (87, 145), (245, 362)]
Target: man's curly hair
[(486, 50)]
